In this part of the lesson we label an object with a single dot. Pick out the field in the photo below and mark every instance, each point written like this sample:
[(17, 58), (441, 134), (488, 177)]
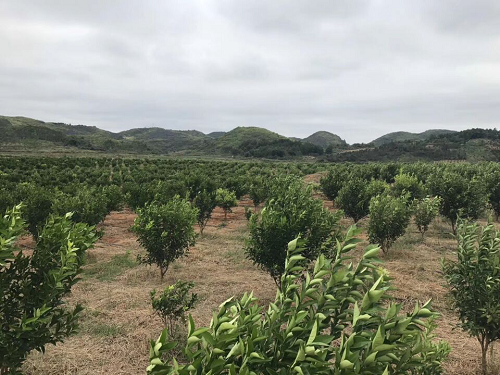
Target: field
[(118, 322)]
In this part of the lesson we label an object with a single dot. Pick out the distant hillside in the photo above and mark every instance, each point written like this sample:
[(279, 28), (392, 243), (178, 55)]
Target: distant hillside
[(165, 140), (26, 132), (21, 134), (262, 143), (243, 136), (324, 139), (216, 135), (407, 136), (471, 145)]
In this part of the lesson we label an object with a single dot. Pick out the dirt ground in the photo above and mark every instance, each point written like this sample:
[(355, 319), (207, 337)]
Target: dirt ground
[(118, 322)]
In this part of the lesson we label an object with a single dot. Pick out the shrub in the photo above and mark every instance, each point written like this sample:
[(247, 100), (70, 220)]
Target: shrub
[(334, 320), (248, 213), (493, 187), (290, 210), (461, 197), (114, 198), (407, 184), (37, 207), (258, 192), (205, 202), (165, 231), (137, 195), (173, 303), (226, 200), (376, 187), (32, 288), (333, 182), (87, 204), (389, 218), (236, 184), (425, 211), (474, 283), (353, 198)]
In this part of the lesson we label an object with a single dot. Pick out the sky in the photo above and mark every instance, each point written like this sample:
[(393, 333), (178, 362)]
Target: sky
[(356, 68)]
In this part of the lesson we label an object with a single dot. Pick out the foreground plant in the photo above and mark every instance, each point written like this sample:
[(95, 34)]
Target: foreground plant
[(32, 287), (290, 210), (335, 320), (474, 282)]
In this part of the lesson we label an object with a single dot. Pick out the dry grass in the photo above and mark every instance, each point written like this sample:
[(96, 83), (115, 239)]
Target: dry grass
[(118, 321)]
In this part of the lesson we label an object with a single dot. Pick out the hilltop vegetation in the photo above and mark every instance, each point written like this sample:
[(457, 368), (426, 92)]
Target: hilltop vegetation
[(22, 132), (21, 135), (325, 139), (470, 145), (407, 136), (262, 143)]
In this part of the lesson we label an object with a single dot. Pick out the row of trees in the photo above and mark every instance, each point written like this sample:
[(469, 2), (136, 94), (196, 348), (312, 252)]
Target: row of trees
[(459, 195), (291, 210), (327, 310)]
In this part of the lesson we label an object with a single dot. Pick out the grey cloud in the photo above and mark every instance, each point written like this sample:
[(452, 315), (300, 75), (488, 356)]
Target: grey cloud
[(357, 68)]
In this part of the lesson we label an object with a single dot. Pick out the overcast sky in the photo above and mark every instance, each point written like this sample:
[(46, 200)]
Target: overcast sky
[(356, 68)]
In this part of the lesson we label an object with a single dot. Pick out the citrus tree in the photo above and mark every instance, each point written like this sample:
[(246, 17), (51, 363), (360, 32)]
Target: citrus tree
[(474, 283), (257, 191), (461, 196), (37, 206), (333, 319), (289, 211), (493, 187), (226, 200), (165, 231), (353, 199), (205, 202), (333, 181), (172, 304), (389, 217), (32, 286), (407, 184), (425, 211)]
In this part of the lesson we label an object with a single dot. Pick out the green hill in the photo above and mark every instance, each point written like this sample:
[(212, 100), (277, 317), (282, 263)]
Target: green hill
[(324, 139), (19, 132), (165, 140), (21, 135), (263, 143), (241, 136), (471, 145), (407, 136)]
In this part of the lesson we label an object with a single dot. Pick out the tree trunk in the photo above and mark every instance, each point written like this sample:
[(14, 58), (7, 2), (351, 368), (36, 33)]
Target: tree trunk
[(163, 271), (484, 365), (277, 281), (484, 351)]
